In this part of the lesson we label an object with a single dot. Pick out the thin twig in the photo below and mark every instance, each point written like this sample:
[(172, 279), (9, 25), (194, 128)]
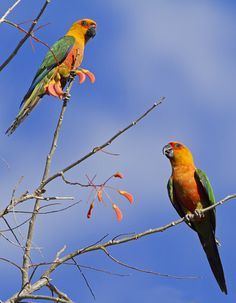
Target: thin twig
[(133, 237), (41, 297), (144, 270), (85, 279), (32, 36), (11, 230), (43, 280), (46, 212), (82, 266), (26, 196), (60, 294), (2, 19), (15, 227), (26, 257), (99, 148), (22, 41), (11, 262)]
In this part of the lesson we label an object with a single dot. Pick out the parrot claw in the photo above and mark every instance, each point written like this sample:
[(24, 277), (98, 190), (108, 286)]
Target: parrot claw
[(198, 214), (73, 73), (82, 73), (67, 96), (188, 218)]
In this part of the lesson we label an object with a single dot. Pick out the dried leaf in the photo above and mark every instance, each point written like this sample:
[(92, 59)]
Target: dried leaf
[(90, 210), (127, 195), (118, 175), (99, 195), (118, 212)]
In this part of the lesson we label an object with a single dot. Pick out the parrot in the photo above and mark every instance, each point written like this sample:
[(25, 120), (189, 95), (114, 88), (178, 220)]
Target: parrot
[(190, 191), (62, 59)]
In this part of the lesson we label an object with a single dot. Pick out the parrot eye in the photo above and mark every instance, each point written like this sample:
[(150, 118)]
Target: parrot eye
[(84, 23)]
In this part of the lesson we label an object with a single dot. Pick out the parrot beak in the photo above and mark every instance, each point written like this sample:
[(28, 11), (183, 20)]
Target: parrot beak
[(91, 32), (168, 151)]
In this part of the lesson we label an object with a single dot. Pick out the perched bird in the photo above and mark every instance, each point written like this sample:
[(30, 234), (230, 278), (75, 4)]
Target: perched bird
[(63, 58), (190, 191)]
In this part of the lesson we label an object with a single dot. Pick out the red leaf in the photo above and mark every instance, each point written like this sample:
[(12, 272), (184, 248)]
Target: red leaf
[(127, 195), (90, 210), (118, 175), (118, 212)]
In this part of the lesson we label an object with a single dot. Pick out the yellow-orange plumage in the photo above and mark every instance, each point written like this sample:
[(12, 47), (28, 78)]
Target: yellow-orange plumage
[(190, 191), (64, 57)]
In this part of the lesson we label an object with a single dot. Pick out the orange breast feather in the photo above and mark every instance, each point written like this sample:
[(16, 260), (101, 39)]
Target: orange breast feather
[(186, 190)]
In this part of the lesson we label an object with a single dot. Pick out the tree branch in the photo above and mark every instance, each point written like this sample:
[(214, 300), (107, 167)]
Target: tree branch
[(101, 147), (2, 19), (144, 270), (47, 298), (26, 257), (43, 280), (22, 41), (136, 236)]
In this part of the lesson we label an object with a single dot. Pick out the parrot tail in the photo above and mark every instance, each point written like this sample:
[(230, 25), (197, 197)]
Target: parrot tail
[(28, 106), (210, 247)]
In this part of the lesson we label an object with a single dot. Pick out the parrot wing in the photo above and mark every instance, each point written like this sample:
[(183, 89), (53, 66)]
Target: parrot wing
[(174, 201), (54, 57), (206, 229), (209, 200)]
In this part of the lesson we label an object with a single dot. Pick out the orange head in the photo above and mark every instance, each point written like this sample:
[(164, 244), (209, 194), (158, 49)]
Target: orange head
[(83, 29), (178, 154)]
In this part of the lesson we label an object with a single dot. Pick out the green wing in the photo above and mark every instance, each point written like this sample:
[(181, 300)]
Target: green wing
[(55, 56), (209, 198), (176, 205)]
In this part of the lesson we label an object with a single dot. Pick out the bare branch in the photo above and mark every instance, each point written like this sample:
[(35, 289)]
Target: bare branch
[(15, 227), (12, 263), (60, 294), (131, 238), (37, 193), (82, 266), (99, 148), (2, 19), (11, 230), (85, 279), (43, 280), (144, 270), (26, 257), (22, 41), (46, 298), (46, 212)]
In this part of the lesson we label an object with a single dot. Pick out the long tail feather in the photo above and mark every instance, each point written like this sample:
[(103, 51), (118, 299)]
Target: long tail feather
[(25, 111), (210, 247)]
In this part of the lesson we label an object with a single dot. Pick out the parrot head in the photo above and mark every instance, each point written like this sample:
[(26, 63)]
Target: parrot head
[(85, 28), (177, 153)]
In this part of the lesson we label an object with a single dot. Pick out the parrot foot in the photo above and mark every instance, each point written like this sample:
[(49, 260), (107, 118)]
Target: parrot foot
[(82, 74), (198, 214), (54, 89), (188, 218)]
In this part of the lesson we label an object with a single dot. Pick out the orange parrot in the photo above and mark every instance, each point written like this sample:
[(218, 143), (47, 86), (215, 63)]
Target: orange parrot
[(190, 191), (64, 57)]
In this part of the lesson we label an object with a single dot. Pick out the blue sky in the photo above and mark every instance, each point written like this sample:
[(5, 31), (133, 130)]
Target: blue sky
[(183, 50)]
